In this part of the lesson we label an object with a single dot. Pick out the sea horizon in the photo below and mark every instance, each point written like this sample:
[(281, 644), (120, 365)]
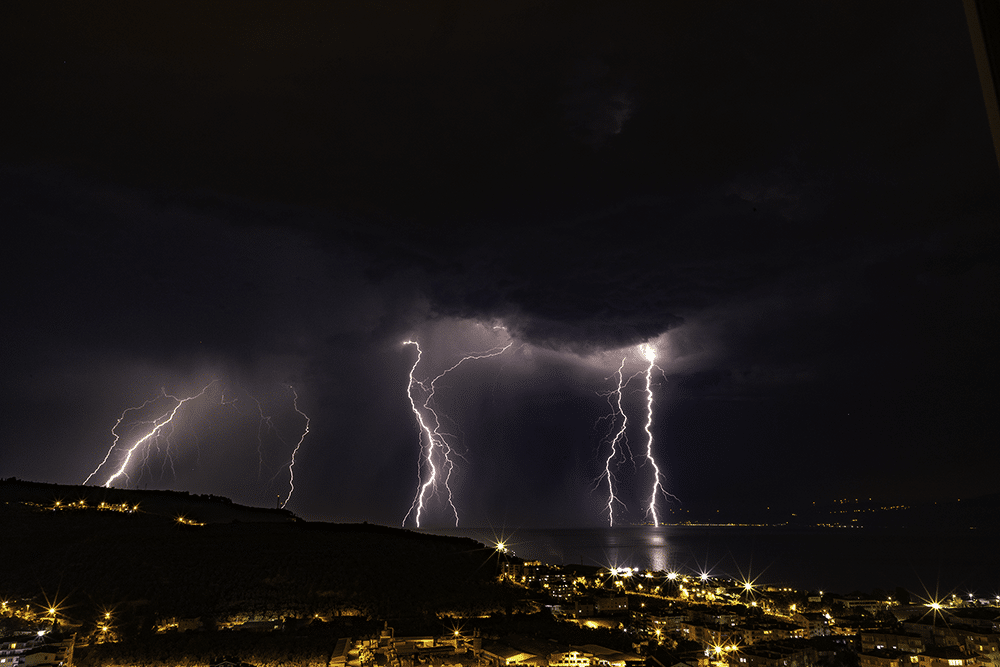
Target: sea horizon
[(928, 563)]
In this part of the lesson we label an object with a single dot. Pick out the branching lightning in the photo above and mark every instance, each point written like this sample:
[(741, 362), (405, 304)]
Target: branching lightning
[(291, 464), (157, 433), (428, 451), (618, 439), (114, 432), (158, 425), (618, 442), (436, 448)]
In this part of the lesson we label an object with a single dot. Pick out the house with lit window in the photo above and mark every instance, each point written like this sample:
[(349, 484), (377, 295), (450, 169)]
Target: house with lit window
[(814, 623), (884, 657), (36, 650), (607, 657), (945, 656), (754, 633), (986, 644), (871, 606), (983, 619), (572, 658), (671, 623), (501, 655), (709, 636), (611, 605), (792, 653), (910, 642)]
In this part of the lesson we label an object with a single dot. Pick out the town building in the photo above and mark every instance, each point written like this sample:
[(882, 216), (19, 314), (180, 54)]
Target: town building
[(945, 656), (909, 642), (36, 649), (883, 657), (816, 624)]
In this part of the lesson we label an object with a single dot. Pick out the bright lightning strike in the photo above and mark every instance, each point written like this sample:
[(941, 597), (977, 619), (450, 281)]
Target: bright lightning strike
[(650, 355), (159, 424), (291, 464), (429, 449), (114, 432), (619, 447), (157, 432), (436, 453), (613, 454)]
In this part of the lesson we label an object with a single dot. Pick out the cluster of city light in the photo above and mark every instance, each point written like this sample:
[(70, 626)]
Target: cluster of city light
[(435, 464), (720, 653), (101, 507), (105, 627), (185, 521), (702, 583), (20, 609)]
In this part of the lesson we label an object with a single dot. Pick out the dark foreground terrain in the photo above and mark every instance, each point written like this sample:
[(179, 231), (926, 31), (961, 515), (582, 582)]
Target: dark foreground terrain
[(190, 557)]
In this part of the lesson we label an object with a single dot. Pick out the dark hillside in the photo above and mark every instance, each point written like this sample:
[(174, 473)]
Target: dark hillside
[(203, 508), (156, 567)]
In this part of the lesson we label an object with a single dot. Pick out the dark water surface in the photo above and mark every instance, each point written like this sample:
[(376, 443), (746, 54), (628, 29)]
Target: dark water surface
[(838, 560)]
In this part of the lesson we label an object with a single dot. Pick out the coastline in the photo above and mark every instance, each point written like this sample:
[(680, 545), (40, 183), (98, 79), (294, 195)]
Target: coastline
[(837, 559)]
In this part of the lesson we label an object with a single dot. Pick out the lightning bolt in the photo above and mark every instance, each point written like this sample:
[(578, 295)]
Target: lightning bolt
[(159, 430), (427, 452), (305, 432), (114, 432), (657, 490), (158, 425), (437, 442), (613, 454)]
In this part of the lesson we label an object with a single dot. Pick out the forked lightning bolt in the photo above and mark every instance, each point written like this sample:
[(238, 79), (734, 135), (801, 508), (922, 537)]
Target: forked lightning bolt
[(114, 432), (158, 425), (428, 451), (619, 448), (291, 464), (616, 441), (436, 453), (161, 427)]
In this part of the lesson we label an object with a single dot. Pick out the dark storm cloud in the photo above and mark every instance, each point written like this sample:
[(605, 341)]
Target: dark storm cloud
[(179, 282), (595, 184), (596, 104), (802, 196), (612, 277)]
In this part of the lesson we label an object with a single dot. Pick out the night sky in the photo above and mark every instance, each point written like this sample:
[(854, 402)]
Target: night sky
[(795, 204)]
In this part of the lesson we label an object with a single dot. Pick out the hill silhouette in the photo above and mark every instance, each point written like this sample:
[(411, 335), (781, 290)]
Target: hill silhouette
[(202, 508), (225, 562)]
